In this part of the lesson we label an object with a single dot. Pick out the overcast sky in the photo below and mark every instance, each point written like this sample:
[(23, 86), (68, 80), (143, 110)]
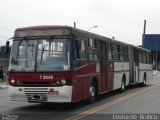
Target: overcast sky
[(122, 19)]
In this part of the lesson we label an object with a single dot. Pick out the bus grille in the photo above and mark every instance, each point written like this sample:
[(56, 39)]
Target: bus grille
[(36, 94), (35, 83)]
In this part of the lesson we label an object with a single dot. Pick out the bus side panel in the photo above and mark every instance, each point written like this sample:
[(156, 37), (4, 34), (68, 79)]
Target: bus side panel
[(81, 81), (80, 86), (149, 74), (120, 69), (145, 68), (141, 72)]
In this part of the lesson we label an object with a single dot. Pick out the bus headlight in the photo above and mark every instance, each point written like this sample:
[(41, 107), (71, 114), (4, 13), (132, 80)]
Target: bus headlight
[(13, 81), (63, 81)]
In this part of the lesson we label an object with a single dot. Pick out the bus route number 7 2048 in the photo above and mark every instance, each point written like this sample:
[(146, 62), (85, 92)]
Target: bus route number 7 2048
[(46, 77)]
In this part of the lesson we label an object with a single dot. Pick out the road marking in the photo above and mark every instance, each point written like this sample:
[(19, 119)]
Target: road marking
[(106, 105)]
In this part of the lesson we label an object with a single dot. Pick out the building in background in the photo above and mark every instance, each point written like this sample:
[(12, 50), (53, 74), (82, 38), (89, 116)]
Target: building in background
[(152, 43)]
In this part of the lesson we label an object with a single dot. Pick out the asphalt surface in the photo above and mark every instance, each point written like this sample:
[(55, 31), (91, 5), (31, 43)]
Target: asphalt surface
[(135, 100)]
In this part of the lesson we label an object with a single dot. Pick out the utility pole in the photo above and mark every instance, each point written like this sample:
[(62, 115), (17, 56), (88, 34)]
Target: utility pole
[(144, 32), (74, 24)]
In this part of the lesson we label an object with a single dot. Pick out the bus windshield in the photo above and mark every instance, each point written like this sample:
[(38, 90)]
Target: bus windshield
[(40, 55)]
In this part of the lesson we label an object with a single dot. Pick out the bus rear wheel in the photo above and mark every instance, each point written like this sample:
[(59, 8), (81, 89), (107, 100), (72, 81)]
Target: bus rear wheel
[(123, 85), (144, 80)]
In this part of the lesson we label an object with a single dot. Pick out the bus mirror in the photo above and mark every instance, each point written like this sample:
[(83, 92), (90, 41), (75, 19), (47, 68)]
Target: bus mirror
[(7, 47)]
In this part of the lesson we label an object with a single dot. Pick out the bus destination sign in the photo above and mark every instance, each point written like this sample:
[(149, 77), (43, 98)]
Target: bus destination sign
[(25, 33)]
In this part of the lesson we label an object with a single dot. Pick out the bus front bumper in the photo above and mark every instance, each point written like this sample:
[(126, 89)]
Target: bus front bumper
[(41, 94)]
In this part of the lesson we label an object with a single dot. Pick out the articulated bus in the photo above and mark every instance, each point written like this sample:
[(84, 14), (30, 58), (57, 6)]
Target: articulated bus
[(66, 64)]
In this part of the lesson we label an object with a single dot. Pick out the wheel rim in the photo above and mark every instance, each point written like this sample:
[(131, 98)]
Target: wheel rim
[(144, 82), (123, 86), (92, 91)]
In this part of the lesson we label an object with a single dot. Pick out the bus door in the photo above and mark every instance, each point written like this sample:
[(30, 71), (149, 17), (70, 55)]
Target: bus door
[(136, 66), (103, 65)]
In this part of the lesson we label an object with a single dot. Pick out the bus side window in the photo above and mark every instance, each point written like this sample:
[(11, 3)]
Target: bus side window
[(110, 51), (118, 52), (144, 57), (77, 49), (92, 49), (92, 43), (80, 53), (122, 53), (126, 53), (140, 56), (115, 54)]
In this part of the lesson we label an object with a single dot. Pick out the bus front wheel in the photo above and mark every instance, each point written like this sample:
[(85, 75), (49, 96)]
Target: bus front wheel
[(92, 92)]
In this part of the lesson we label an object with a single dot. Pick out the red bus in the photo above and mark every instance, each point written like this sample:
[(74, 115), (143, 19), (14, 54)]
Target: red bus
[(66, 64)]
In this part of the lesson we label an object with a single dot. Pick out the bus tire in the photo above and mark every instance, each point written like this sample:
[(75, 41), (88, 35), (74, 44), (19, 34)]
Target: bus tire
[(92, 92), (144, 80), (123, 84)]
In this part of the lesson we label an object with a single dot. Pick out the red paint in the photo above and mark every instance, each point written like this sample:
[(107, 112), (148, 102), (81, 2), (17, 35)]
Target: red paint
[(34, 79), (82, 78), (79, 79), (103, 79)]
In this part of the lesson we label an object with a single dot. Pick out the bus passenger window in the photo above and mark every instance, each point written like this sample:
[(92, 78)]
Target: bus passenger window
[(115, 53), (122, 52), (126, 54), (92, 43), (80, 53), (148, 58), (118, 52), (111, 51), (80, 49), (92, 49), (144, 57), (140, 56)]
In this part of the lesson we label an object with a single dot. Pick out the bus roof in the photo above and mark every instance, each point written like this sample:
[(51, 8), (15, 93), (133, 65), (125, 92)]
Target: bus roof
[(44, 27), (138, 47)]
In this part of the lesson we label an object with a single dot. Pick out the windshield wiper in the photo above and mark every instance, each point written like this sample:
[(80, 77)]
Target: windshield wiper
[(42, 54)]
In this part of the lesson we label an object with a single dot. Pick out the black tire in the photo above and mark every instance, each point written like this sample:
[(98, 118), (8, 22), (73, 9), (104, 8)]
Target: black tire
[(92, 92)]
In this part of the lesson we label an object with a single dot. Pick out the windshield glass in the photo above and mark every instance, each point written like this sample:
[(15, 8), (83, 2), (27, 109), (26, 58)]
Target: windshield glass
[(40, 55), (23, 55), (53, 55)]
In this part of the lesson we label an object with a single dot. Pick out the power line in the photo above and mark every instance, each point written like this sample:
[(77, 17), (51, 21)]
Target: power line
[(6, 29), (4, 37)]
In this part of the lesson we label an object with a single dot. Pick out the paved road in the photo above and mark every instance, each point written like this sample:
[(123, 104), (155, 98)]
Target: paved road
[(135, 99)]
